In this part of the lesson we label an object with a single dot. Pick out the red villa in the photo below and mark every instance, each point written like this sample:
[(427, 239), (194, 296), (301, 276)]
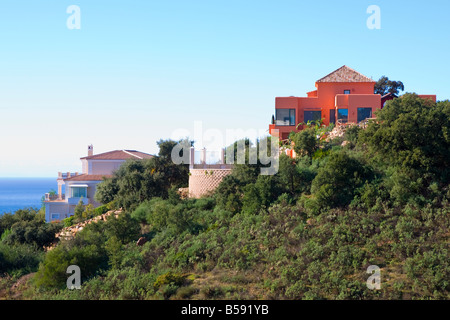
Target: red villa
[(344, 96)]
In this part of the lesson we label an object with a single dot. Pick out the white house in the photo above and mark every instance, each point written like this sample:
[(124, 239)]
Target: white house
[(83, 185)]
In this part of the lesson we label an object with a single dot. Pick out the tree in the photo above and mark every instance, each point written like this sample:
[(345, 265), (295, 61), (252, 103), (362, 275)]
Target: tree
[(106, 190), (115, 251), (305, 141), (139, 180), (27, 227), (413, 134), (229, 194), (337, 181), (385, 86), (123, 227), (288, 174), (78, 211), (262, 193)]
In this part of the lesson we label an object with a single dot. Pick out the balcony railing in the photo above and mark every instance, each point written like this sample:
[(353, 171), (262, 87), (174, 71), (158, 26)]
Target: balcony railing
[(283, 123), (54, 197), (205, 159), (67, 175)]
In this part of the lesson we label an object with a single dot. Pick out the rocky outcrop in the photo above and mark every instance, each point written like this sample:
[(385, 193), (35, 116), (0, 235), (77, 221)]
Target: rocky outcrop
[(141, 241), (337, 131), (70, 232), (184, 193)]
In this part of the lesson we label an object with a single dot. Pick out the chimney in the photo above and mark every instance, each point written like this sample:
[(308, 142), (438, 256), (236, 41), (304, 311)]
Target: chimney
[(90, 150)]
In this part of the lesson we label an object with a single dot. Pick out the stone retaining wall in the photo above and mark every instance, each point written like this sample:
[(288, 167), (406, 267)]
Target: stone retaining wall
[(203, 182)]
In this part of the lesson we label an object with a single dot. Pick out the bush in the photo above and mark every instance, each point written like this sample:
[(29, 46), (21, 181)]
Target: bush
[(69, 221), (352, 133), (162, 214), (337, 181), (35, 232), (305, 142), (124, 227), (19, 259), (412, 133), (52, 271), (169, 278)]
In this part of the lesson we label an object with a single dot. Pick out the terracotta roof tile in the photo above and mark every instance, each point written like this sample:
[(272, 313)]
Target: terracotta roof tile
[(345, 74), (88, 177), (120, 155)]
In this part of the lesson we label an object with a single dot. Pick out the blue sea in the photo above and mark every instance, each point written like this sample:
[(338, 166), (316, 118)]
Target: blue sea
[(19, 193)]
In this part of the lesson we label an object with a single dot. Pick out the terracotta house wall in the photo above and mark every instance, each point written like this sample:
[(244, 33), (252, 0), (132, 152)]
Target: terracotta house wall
[(287, 103), (327, 96), (431, 97), (354, 101)]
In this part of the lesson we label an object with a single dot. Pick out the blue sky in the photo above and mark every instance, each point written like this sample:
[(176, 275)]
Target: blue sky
[(138, 71)]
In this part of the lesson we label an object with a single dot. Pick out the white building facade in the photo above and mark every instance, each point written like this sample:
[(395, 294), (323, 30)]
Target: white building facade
[(82, 186)]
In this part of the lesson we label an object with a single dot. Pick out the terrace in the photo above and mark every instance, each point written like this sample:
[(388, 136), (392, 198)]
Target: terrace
[(208, 159)]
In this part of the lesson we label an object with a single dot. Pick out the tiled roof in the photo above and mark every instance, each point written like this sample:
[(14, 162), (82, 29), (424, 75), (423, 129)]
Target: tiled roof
[(88, 177), (389, 95), (119, 155), (345, 74)]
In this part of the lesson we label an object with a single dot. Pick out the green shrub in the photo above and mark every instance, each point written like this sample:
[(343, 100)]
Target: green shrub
[(69, 221), (305, 142), (337, 181), (169, 278), (101, 210), (19, 259)]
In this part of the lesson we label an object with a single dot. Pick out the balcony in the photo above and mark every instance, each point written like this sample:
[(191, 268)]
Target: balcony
[(203, 159), (54, 197), (283, 123), (76, 200), (67, 175)]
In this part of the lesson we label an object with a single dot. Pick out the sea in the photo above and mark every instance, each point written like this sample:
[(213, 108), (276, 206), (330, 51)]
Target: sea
[(20, 193)]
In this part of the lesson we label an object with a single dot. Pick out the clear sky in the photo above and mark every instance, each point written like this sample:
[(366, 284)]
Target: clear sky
[(138, 71)]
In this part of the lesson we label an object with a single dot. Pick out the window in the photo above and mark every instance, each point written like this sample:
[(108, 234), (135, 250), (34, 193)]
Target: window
[(332, 116), (55, 216), (364, 113), (343, 115), (285, 117), (312, 116), (78, 192), (346, 91)]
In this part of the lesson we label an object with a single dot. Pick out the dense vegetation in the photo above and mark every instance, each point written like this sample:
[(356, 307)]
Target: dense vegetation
[(308, 232), (24, 235)]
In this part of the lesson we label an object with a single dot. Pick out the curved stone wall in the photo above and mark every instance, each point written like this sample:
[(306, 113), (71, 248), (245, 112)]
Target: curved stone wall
[(204, 181)]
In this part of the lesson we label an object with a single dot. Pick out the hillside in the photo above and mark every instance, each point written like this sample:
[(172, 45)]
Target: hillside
[(308, 232)]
